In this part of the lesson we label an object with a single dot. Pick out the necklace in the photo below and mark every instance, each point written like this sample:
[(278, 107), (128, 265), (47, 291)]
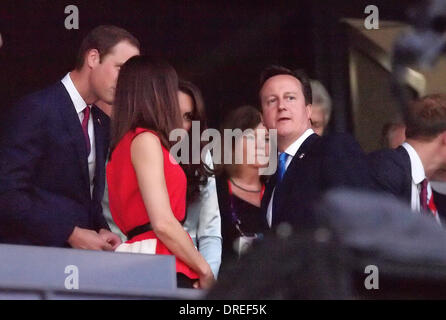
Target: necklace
[(247, 190)]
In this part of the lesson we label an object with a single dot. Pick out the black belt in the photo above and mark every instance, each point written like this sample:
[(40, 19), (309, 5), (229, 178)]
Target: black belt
[(139, 230)]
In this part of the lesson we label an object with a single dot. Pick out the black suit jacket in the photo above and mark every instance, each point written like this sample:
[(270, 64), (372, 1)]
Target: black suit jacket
[(44, 180), (392, 172), (440, 203), (320, 164)]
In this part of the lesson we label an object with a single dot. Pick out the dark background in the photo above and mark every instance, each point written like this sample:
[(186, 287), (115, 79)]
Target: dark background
[(222, 46)]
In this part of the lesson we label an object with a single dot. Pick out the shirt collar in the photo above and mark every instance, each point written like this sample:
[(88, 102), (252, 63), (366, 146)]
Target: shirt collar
[(78, 101), (292, 149), (416, 165)]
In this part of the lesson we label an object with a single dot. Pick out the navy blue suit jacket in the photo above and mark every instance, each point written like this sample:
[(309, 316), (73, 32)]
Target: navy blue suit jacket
[(392, 172), (44, 179), (320, 164)]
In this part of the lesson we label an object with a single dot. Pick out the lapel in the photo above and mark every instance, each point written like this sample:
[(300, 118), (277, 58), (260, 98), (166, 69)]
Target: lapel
[(407, 179), (74, 129), (269, 188), (284, 189)]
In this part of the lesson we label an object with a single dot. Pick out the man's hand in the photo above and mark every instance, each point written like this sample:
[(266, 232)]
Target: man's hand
[(88, 239), (111, 238)]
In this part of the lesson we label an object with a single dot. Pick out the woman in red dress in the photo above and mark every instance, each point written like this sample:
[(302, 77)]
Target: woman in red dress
[(147, 187)]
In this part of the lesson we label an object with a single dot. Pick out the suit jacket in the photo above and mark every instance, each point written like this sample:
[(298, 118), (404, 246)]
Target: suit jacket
[(440, 203), (44, 179), (392, 172), (320, 164)]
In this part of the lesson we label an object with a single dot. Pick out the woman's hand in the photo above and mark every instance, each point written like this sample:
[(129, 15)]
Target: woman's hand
[(206, 280)]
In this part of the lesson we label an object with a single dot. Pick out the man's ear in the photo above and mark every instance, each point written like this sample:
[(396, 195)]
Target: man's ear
[(92, 58), (309, 109), (443, 138)]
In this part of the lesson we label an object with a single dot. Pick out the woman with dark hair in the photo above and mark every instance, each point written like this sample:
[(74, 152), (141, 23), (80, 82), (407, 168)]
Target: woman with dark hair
[(239, 186), (203, 221), (147, 187)]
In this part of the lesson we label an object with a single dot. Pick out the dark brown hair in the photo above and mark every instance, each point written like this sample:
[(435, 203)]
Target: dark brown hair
[(243, 118), (300, 75), (426, 117), (146, 97), (103, 39), (198, 113), (197, 174)]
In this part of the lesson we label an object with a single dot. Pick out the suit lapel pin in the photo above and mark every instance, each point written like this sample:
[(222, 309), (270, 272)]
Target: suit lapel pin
[(99, 121), (301, 155)]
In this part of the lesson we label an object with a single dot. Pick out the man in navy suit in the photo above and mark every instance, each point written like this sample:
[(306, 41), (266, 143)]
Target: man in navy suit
[(309, 164), (405, 171), (53, 148)]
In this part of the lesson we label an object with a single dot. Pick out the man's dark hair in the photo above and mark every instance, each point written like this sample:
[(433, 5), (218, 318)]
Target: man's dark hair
[(300, 75), (103, 39), (426, 117)]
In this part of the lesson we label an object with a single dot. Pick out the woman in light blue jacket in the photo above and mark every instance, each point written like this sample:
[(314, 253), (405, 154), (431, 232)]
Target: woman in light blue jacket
[(203, 221)]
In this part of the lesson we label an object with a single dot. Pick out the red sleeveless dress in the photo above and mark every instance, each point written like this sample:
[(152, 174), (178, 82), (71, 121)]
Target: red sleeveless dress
[(126, 203)]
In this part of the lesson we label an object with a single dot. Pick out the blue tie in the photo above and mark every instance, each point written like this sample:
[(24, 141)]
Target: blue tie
[(282, 166)]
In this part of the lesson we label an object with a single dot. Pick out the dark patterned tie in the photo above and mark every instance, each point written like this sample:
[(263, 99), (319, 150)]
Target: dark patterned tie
[(423, 195), (86, 112)]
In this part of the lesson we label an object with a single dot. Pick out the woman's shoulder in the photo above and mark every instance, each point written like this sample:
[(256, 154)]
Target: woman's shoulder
[(145, 136), (147, 132), (133, 133)]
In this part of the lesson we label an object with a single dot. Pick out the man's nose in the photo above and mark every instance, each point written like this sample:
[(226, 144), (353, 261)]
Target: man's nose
[(282, 105)]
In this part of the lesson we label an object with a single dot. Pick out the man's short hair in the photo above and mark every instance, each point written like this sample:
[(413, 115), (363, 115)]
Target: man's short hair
[(426, 117), (103, 39), (300, 75), (321, 97)]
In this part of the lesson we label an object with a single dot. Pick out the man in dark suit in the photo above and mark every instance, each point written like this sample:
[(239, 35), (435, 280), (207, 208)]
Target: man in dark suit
[(405, 172), (308, 164), (53, 148)]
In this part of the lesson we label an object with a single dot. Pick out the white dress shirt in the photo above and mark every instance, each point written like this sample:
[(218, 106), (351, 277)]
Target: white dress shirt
[(291, 151), (418, 175), (80, 105)]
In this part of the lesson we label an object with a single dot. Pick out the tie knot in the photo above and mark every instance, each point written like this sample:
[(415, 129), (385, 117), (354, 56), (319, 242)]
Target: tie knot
[(86, 110), (283, 157)]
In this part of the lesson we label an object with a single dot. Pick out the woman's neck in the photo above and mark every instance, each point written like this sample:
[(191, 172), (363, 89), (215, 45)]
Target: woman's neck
[(247, 185), (247, 176)]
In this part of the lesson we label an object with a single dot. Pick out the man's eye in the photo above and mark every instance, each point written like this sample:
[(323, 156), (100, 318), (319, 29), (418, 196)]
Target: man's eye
[(187, 116), (291, 98), (269, 101)]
